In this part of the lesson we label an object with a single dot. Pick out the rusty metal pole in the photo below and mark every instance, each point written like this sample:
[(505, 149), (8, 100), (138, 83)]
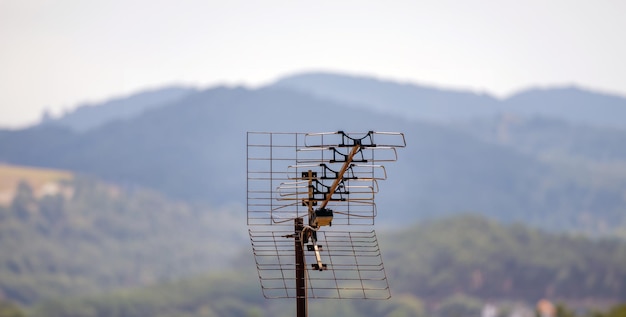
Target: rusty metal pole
[(301, 289)]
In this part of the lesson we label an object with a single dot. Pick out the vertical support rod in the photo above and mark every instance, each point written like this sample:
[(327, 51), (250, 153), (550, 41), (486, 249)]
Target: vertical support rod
[(301, 287), (310, 202)]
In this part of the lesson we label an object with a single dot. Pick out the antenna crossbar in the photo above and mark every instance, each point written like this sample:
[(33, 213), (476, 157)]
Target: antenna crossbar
[(293, 176)]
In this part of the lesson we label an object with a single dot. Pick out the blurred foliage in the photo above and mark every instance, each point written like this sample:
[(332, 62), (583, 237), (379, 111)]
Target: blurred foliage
[(445, 268), (563, 310), (459, 305), (103, 237), (225, 294), (617, 311), (481, 258), (60, 252), (10, 309), (584, 176), (218, 295)]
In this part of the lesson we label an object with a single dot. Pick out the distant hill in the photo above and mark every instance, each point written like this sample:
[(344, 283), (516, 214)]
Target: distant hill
[(551, 139), (405, 99), (89, 237), (476, 256), (458, 263), (572, 104), (90, 116), (194, 149), (171, 203)]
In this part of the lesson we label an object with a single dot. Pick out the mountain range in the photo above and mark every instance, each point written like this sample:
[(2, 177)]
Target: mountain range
[(553, 158), (136, 205), (88, 116), (569, 103)]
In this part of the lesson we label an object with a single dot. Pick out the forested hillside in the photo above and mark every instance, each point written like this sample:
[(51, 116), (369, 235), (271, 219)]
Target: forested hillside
[(481, 258), (434, 268), (90, 237), (140, 210), (194, 150)]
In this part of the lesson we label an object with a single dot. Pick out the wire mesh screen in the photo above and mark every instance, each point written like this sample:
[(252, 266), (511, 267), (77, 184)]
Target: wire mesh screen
[(355, 267), (304, 193), (285, 169)]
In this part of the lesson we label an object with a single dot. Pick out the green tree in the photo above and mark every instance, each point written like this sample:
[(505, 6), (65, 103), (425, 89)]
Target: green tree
[(24, 203), (616, 311), (9, 309), (460, 305), (563, 311)]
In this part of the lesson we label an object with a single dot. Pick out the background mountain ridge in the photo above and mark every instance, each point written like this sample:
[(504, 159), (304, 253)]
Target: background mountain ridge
[(568, 102), (159, 195), (511, 167)]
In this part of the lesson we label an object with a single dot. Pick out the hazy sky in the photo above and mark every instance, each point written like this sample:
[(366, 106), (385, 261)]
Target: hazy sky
[(57, 54)]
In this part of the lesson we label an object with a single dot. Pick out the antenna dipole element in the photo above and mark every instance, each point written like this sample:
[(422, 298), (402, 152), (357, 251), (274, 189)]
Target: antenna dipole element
[(333, 187)]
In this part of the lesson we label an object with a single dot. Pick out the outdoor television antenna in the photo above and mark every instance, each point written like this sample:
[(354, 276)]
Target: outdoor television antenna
[(306, 192)]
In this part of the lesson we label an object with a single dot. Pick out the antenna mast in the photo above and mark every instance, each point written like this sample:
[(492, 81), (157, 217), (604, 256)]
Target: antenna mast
[(289, 176)]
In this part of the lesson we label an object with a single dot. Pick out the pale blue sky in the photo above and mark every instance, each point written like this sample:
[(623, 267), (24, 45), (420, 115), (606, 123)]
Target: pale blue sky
[(56, 54)]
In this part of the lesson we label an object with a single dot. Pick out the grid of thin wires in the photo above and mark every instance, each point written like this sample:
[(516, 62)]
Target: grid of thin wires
[(277, 186), (288, 171), (268, 156), (354, 265)]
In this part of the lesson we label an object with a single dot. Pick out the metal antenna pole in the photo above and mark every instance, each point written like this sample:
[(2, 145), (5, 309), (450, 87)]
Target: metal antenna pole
[(301, 287), (330, 168)]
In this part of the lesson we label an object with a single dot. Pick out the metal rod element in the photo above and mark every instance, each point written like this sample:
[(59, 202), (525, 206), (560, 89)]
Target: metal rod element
[(318, 257), (339, 178), (301, 287), (310, 201), (313, 236)]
